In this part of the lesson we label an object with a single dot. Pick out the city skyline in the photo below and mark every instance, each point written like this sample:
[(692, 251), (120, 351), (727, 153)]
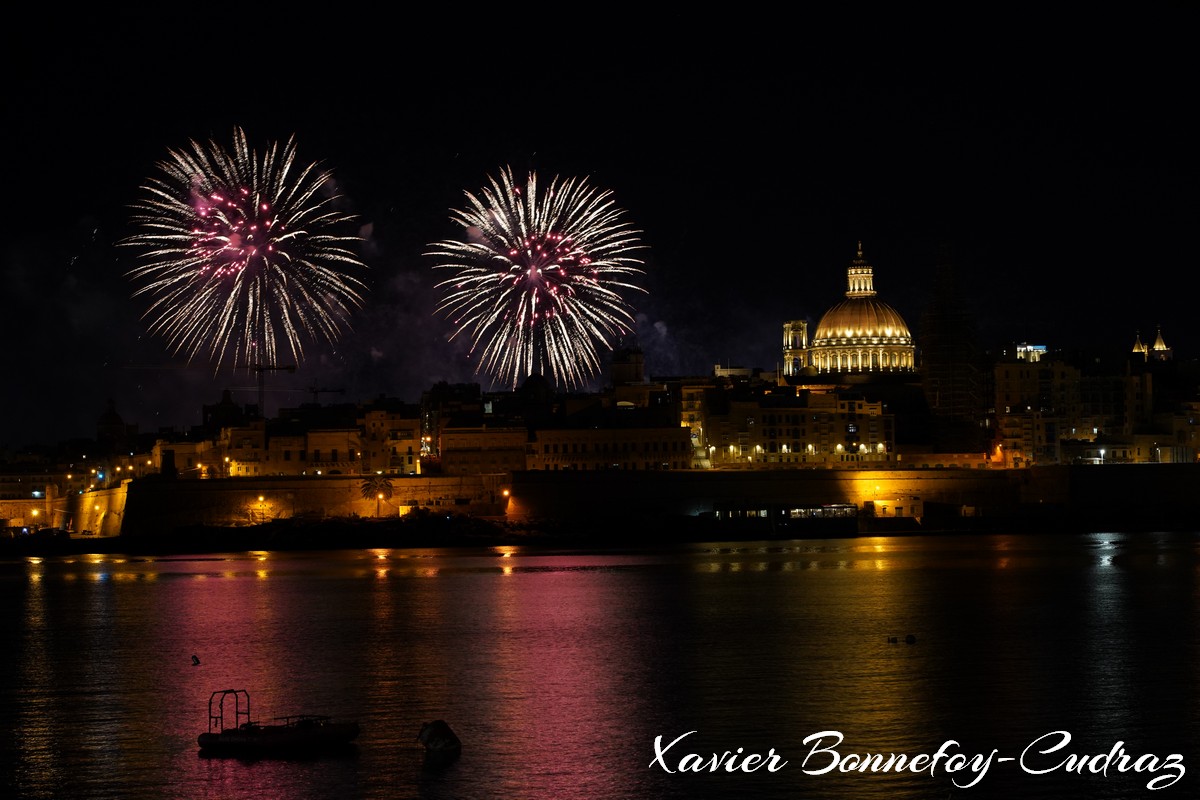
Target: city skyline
[(1067, 198)]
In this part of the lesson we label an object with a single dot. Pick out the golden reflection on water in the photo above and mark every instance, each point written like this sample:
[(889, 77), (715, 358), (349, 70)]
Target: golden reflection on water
[(853, 554), (36, 745)]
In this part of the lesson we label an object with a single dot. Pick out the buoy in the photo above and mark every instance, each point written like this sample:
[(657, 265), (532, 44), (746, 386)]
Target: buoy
[(910, 639), (442, 745), (892, 640), (195, 661)]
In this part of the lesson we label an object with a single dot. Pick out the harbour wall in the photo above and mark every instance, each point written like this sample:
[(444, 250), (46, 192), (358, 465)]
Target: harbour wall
[(1133, 496), (1143, 496), (157, 506)]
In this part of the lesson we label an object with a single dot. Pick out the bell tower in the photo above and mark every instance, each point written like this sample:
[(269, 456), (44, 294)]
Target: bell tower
[(795, 346)]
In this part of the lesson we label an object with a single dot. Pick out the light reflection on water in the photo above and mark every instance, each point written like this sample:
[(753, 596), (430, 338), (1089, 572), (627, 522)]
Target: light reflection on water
[(559, 670)]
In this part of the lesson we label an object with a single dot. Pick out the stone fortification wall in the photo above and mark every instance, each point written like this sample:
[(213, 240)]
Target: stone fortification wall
[(540, 494), (158, 506), (1115, 496), (100, 512)]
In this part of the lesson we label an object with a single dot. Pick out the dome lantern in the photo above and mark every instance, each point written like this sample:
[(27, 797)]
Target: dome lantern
[(860, 277)]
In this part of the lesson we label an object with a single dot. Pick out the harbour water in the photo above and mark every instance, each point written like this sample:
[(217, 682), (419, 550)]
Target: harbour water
[(560, 670)]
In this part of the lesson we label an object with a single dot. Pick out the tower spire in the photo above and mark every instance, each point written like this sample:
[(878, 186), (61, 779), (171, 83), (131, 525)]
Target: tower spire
[(1159, 344), (1138, 347)]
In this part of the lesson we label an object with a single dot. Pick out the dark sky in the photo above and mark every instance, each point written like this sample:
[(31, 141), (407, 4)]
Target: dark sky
[(1061, 170)]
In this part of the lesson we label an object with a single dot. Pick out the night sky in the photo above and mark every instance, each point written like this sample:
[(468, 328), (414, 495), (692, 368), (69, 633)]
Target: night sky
[(1061, 171)]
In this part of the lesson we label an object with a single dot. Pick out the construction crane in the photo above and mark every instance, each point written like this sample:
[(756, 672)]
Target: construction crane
[(260, 371), (316, 391)]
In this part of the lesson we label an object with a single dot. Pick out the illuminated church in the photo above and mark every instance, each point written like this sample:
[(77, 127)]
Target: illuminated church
[(860, 335), (1156, 352)]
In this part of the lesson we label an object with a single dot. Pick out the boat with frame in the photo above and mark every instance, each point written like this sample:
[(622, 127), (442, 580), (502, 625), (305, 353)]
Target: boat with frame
[(295, 734)]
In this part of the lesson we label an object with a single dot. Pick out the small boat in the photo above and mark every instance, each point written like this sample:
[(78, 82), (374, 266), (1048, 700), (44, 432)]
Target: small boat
[(301, 733)]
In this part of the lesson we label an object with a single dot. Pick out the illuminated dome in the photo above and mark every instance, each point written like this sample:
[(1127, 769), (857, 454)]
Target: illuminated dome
[(862, 333)]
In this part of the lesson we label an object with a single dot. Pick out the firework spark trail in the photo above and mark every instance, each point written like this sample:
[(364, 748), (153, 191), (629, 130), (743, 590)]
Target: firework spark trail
[(538, 284), (243, 257)]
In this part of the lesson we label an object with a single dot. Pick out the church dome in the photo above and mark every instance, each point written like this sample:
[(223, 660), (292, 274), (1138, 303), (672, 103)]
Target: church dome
[(862, 333), (861, 318)]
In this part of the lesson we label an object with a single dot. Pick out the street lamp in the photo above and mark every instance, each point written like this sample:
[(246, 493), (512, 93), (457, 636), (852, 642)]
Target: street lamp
[(1101, 455)]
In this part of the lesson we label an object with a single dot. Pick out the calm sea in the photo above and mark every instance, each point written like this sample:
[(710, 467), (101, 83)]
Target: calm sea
[(559, 671)]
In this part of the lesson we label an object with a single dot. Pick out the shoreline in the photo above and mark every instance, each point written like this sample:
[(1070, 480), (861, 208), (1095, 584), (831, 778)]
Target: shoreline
[(429, 531)]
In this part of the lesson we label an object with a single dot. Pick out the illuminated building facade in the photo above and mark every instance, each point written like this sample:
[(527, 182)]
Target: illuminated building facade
[(799, 429), (391, 438), (482, 449), (611, 448), (252, 450), (692, 410)]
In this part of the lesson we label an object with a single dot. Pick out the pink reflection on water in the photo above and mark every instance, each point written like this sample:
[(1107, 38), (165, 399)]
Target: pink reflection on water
[(233, 614), (554, 667)]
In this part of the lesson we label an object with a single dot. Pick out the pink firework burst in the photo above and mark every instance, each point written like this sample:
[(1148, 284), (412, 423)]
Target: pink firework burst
[(540, 282), (244, 257)]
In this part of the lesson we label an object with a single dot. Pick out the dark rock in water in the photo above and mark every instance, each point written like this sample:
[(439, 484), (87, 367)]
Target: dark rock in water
[(442, 744)]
